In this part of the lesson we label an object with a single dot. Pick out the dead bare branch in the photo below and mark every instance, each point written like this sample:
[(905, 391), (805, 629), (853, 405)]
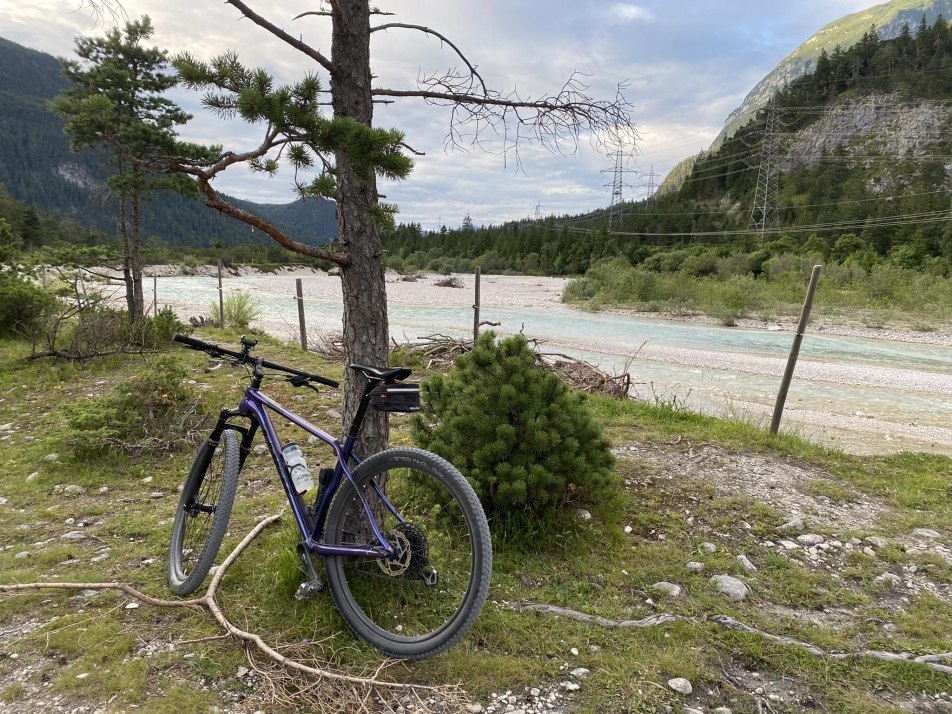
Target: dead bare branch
[(443, 39), (662, 618), (556, 121), (355, 693), (297, 44)]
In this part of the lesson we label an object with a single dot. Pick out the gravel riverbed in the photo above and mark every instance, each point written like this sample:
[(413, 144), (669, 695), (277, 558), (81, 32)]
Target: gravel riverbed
[(858, 406)]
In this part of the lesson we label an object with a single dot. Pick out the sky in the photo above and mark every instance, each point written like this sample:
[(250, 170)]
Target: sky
[(686, 65)]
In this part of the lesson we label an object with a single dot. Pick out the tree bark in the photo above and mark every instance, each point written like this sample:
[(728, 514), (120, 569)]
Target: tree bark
[(366, 330), (137, 310), (126, 264)]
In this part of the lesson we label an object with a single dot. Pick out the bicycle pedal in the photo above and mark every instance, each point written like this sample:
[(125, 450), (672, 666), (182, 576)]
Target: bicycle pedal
[(308, 589)]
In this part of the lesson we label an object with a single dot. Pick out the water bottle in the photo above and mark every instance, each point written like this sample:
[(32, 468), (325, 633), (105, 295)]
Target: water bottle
[(300, 475)]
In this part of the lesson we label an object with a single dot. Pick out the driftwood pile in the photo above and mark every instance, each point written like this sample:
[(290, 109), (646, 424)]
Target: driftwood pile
[(439, 352)]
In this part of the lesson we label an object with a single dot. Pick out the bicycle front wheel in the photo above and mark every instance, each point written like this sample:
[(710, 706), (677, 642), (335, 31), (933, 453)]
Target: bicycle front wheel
[(203, 512), (425, 598)]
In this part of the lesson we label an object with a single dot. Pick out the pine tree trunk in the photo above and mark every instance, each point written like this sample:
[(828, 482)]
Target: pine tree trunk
[(126, 264), (135, 261), (366, 332)]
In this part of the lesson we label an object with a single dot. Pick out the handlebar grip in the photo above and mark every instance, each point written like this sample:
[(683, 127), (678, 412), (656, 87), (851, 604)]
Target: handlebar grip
[(211, 349), (191, 342)]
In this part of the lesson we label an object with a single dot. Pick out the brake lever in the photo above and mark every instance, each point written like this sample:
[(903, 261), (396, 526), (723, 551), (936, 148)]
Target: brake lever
[(301, 381)]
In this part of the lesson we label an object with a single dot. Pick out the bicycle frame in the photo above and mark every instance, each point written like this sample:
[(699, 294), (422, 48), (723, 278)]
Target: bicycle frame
[(310, 520)]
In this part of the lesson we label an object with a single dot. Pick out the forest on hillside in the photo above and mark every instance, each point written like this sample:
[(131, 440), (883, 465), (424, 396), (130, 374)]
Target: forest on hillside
[(861, 201)]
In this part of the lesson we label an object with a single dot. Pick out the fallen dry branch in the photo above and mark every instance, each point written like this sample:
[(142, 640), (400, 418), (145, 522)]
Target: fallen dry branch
[(347, 692), (440, 351), (932, 661), (581, 376)]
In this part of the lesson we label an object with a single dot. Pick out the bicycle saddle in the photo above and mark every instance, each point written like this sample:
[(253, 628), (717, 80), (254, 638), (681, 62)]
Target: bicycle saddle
[(387, 374)]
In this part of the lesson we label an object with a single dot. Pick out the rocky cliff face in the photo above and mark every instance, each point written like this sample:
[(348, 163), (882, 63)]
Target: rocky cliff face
[(868, 129), (888, 18)]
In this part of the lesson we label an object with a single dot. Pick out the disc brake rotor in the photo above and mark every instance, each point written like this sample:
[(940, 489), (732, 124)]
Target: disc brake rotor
[(399, 564)]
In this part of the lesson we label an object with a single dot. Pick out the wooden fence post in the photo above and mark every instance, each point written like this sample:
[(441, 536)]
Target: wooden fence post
[(299, 290), (794, 351), (476, 310), (221, 299)]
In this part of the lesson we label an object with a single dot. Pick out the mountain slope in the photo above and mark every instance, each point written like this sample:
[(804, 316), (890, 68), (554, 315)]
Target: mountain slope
[(38, 168), (889, 20)]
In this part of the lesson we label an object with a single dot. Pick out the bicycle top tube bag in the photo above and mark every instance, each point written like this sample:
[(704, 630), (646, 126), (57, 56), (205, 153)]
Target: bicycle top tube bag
[(396, 397)]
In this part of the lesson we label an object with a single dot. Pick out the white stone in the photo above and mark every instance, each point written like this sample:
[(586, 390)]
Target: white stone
[(583, 515), (869, 551), (889, 579), (82, 675), (794, 524), (731, 587), (147, 479), (74, 535), (50, 458), (574, 651), (571, 686), (810, 539), (628, 530), (708, 547), (680, 685), (132, 606), (580, 672), (926, 533), (877, 542), (33, 476), (789, 545), (694, 566), (745, 563), (75, 490), (667, 588), (722, 710), (22, 554), (242, 671)]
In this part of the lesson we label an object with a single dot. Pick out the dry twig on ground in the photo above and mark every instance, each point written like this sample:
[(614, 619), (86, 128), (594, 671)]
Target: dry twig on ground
[(290, 680)]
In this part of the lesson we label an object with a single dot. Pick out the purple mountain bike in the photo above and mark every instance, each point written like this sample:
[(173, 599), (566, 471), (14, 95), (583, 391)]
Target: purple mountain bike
[(404, 540)]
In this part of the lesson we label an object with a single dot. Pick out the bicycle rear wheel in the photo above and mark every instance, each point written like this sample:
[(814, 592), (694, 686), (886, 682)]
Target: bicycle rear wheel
[(203, 512), (425, 599)]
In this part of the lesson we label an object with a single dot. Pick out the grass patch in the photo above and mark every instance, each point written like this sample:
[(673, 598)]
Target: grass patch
[(595, 567)]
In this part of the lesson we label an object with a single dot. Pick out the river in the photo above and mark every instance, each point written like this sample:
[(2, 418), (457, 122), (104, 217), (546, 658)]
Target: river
[(861, 395)]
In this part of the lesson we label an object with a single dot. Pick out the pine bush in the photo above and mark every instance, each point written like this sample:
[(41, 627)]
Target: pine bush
[(155, 410), (529, 447)]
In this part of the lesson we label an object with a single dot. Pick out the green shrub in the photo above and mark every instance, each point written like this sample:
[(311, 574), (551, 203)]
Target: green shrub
[(154, 410), (23, 305), (240, 310), (158, 331), (531, 449)]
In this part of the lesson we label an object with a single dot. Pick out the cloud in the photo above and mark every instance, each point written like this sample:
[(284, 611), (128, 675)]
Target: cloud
[(628, 12), (689, 64)]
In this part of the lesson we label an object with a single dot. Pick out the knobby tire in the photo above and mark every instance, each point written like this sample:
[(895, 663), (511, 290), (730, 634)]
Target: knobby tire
[(203, 512), (422, 602)]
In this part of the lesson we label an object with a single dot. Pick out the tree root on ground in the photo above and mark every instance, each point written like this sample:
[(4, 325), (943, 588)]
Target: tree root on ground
[(290, 681), (932, 661)]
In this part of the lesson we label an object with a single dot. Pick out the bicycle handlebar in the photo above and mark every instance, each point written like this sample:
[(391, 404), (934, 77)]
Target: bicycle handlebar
[(215, 350)]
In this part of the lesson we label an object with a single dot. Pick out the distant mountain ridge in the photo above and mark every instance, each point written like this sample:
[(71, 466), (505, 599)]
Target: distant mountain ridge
[(888, 18), (37, 167)]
